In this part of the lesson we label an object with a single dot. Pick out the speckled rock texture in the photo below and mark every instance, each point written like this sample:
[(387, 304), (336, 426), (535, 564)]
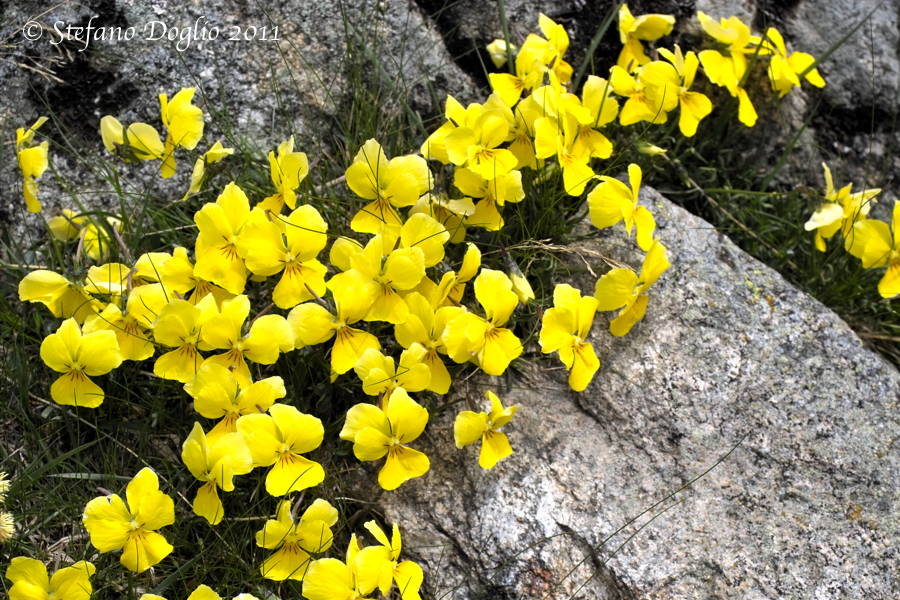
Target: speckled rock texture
[(805, 507), (260, 90)]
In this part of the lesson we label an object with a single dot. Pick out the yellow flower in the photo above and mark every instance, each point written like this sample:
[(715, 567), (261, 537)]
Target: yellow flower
[(215, 154), (216, 249), (424, 327), (484, 340), (184, 124), (785, 70), (65, 227), (389, 184), (385, 273), (79, 357), (313, 324), (376, 433), (179, 326), (379, 376), (132, 333), (622, 288), (219, 394), (294, 541), (62, 297), (497, 50), (289, 246), (379, 567), (634, 29), (32, 162), (30, 580), (559, 137), (565, 328), (652, 92), (493, 194), (279, 438), (612, 201), (7, 526), (877, 245), (694, 105), (477, 148), (267, 337), (331, 579), (470, 427), (287, 170), (839, 212), (214, 460), (450, 213), (728, 71), (139, 141), (114, 525)]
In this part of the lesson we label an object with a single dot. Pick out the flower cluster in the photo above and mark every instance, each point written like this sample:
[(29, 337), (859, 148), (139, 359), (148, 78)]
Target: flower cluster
[(399, 302), (875, 243)]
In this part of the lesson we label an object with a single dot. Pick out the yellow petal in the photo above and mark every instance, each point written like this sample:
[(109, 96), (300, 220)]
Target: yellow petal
[(623, 323), (144, 550), (207, 504), (469, 427), (292, 473), (402, 464), (494, 448)]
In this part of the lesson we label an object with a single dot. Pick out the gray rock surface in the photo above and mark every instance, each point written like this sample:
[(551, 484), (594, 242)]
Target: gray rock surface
[(255, 92), (805, 507)]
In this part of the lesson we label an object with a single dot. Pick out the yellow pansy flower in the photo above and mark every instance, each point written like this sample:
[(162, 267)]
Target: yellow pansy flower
[(379, 567), (379, 375), (565, 328), (184, 126), (33, 162), (294, 541), (266, 338), (215, 154), (622, 288), (484, 340), (387, 274), (694, 105), (278, 439), (377, 433), (287, 170), (114, 525), (313, 324), (219, 394), (65, 227), (139, 141), (288, 246), (178, 326), (493, 194), (216, 249), (612, 201), (470, 427), (388, 184), (785, 70), (497, 51), (558, 137), (30, 580), (450, 213), (477, 148), (214, 460), (840, 210), (78, 357), (878, 245), (424, 327), (652, 92), (634, 29), (62, 297)]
